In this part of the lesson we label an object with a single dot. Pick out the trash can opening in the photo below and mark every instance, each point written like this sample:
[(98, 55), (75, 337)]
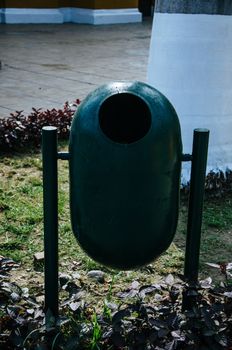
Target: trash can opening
[(124, 118)]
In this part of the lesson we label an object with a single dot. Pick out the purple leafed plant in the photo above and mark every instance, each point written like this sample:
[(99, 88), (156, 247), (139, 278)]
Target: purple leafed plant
[(21, 131)]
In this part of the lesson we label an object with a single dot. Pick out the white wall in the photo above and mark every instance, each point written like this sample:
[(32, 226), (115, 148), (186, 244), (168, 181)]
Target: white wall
[(191, 63)]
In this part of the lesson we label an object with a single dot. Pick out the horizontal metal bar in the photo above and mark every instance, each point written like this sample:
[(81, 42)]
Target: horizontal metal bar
[(186, 158), (63, 155)]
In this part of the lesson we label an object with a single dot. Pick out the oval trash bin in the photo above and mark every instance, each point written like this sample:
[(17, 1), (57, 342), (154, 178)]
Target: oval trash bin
[(125, 162)]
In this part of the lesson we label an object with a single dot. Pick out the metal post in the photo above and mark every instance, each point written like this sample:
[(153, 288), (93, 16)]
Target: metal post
[(196, 195), (50, 197)]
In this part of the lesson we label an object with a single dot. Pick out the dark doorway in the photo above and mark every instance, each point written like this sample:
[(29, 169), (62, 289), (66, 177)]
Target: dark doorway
[(146, 7)]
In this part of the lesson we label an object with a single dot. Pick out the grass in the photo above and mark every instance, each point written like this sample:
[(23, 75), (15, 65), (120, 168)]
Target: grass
[(21, 228)]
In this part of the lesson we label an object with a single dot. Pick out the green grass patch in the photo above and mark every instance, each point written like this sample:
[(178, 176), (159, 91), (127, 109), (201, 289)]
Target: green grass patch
[(21, 224)]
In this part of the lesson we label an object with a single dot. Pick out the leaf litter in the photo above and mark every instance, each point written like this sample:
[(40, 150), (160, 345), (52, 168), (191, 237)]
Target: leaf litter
[(168, 315)]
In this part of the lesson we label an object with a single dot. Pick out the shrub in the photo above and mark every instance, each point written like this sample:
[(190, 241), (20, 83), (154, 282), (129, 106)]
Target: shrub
[(20, 131)]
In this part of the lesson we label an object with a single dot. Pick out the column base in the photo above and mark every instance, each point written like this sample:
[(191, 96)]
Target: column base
[(89, 16), (27, 16), (69, 14)]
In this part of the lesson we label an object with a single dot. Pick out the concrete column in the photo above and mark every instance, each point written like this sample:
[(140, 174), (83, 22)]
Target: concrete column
[(190, 62)]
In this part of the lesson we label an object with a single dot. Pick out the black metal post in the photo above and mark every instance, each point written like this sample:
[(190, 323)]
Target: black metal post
[(196, 195), (50, 197)]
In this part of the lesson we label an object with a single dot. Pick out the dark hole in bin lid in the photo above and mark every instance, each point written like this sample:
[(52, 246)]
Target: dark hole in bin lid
[(124, 118)]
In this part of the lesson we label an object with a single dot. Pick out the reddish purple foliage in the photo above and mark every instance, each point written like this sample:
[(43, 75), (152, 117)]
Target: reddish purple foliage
[(20, 131)]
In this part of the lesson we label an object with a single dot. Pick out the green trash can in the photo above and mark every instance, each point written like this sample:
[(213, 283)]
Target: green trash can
[(125, 163)]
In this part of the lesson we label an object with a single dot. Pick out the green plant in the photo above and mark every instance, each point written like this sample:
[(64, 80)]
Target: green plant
[(106, 309), (96, 333)]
